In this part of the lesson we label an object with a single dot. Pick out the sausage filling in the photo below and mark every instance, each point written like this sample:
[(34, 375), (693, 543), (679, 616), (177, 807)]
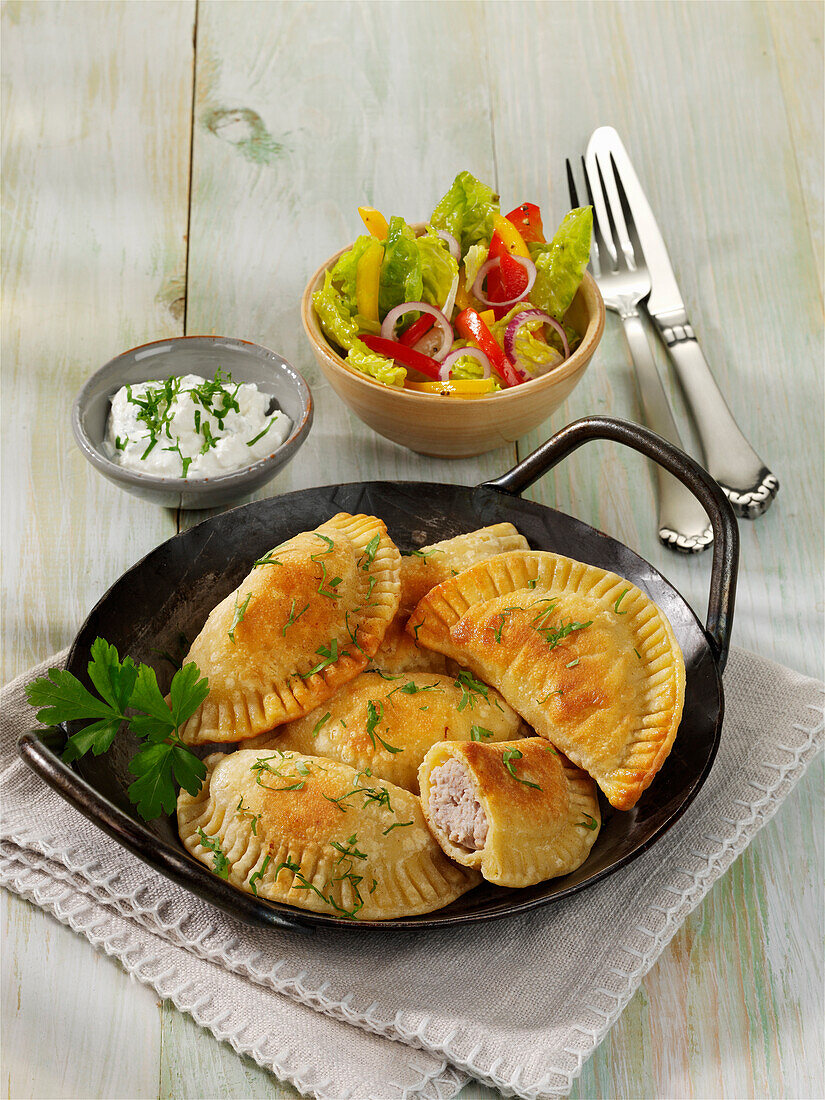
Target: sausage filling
[(454, 806)]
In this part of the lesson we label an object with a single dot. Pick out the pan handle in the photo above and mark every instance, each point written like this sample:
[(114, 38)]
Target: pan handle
[(725, 532)]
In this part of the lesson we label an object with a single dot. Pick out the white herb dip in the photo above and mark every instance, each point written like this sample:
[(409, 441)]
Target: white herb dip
[(191, 427)]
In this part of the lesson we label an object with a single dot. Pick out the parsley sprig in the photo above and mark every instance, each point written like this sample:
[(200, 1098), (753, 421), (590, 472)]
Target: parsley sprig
[(129, 693)]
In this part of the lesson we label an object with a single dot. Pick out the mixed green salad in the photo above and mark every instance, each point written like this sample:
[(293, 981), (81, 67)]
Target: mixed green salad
[(473, 305)]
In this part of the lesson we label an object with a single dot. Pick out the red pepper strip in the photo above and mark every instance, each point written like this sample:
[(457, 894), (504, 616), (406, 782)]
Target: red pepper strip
[(392, 349), (471, 326), (495, 291), (508, 280), (416, 330), (527, 220)]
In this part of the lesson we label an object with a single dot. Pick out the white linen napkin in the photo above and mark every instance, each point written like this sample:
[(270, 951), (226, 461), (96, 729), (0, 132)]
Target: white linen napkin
[(519, 1004)]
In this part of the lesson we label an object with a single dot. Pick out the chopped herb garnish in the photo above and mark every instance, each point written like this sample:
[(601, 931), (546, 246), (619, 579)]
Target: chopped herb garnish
[(293, 618), (477, 733), (511, 755), (572, 664), (550, 695), (424, 553), (373, 718), (333, 584), (638, 654), (470, 687), (353, 634), (262, 765), (349, 850), (386, 675), (120, 444), (502, 617), (591, 822), (532, 583), (329, 655), (237, 618), (258, 875), (373, 582), (305, 884), (616, 604), (397, 825), (220, 864), (330, 545), (260, 435), (267, 559), (411, 688), (416, 630), (244, 811), (554, 635), (320, 724), (370, 551)]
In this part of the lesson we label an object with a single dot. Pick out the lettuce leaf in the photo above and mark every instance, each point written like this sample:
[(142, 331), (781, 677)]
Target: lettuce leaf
[(343, 329), (401, 277), (474, 260), (534, 354), (438, 268), (376, 366), (560, 263), (467, 211), (344, 271)]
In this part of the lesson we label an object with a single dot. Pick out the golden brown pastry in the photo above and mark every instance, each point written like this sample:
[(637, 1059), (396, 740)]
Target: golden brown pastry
[(423, 570), (518, 811), (307, 619), (387, 723), (319, 835), (584, 656)]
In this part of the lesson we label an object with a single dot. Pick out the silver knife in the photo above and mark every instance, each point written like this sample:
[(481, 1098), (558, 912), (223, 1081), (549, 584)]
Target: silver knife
[(745, 479)]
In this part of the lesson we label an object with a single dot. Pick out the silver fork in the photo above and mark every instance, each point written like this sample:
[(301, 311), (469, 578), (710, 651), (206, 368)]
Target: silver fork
[(624, 282)]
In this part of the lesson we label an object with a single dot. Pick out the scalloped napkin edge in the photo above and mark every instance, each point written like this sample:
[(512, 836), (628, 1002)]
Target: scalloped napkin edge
[(214, 968)]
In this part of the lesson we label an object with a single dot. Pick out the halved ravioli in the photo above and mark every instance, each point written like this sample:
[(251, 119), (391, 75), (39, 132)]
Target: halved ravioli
[(423, 570), (586, 658), (307, 619), (318, 835), (387, 723), (517, 811)]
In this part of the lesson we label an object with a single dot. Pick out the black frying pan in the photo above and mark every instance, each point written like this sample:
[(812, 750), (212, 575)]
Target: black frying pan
[(170, 592)]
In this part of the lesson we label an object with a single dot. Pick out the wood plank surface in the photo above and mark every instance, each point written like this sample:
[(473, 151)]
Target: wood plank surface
[(302, 112), (96, 112)]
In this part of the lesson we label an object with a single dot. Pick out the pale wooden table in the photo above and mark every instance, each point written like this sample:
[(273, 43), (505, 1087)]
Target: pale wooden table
[(180, 168)]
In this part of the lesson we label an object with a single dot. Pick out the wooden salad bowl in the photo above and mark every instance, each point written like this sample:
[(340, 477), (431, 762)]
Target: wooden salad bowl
[(450, 427)]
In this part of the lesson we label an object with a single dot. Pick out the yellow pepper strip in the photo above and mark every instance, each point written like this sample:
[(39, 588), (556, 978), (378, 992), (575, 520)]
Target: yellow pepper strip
[(511, 236), (375, 222), (488, 316), (460, 387), (367, 272)]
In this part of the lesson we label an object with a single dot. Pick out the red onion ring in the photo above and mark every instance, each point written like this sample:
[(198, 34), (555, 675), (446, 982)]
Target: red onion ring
[(452, 243), (519, 320), (394, 315), (486, 268), (475, 353)]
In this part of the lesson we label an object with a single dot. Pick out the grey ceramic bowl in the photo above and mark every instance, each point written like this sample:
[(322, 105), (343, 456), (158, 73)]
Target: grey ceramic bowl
[(193, 355)]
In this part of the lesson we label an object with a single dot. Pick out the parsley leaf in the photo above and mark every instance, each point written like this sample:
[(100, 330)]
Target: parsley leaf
[(616, 604), (163, 761)]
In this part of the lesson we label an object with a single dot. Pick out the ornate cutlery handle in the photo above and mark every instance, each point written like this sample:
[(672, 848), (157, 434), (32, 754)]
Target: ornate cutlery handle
[(745, 479), (683, 523)]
